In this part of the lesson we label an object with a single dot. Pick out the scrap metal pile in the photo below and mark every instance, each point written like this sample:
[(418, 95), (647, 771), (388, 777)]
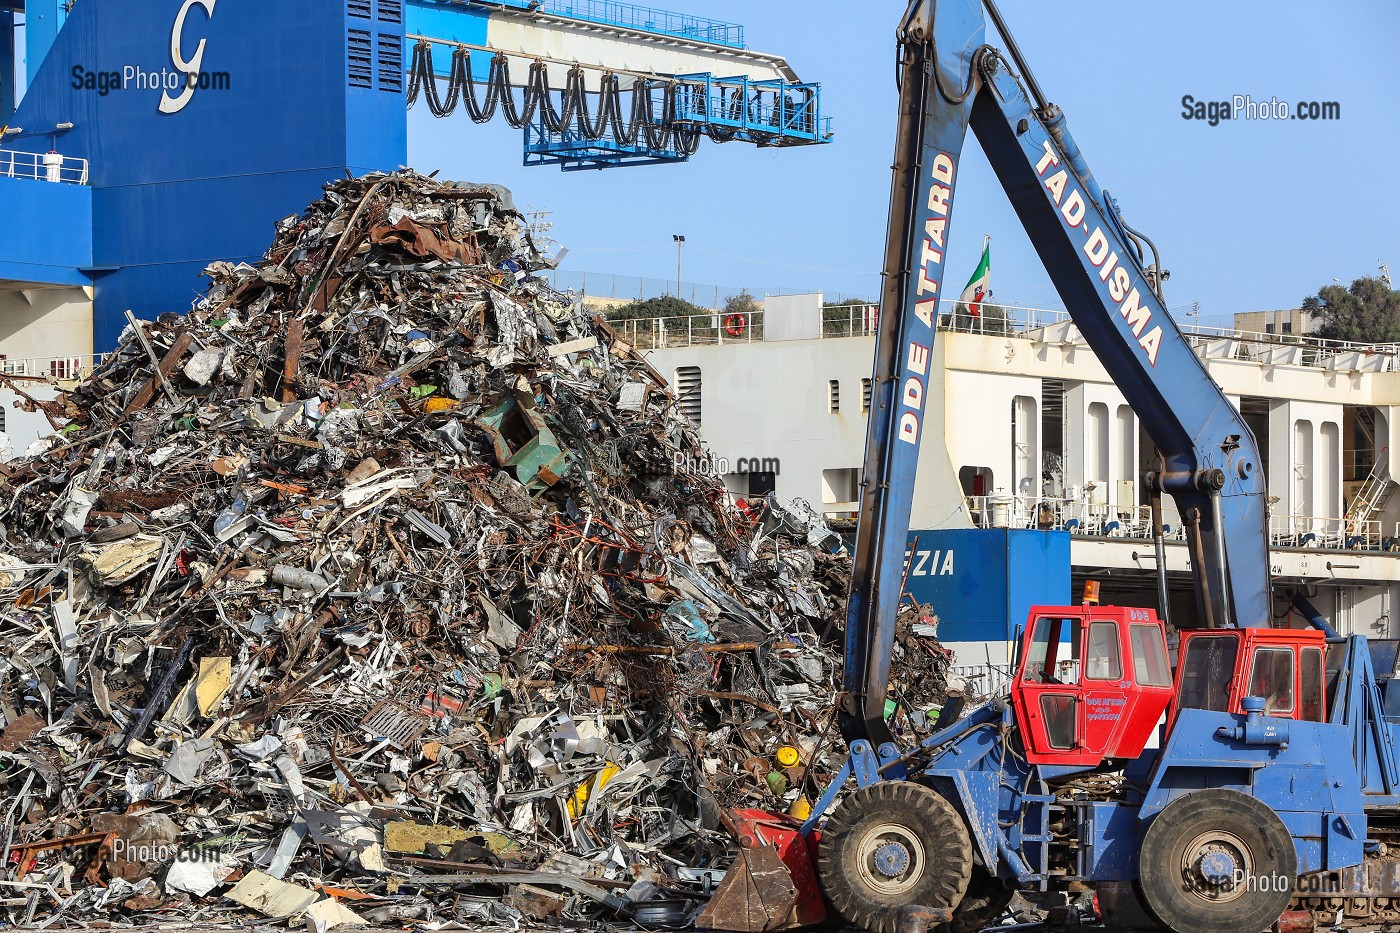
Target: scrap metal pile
[(390, 584)]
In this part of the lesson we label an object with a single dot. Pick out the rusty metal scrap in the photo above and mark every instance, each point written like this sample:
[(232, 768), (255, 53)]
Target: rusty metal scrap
[(381, 539)]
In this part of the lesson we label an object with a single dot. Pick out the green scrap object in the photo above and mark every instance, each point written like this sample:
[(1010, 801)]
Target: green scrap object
[(421, 391), (187, 423), (492, 685), (218, 322), (70, 429), (777, 783), (522, 440), (891, 707)]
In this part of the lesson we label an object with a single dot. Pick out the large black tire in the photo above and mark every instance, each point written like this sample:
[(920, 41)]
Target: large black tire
[(985, 901), (891, 845), (1223, 831)]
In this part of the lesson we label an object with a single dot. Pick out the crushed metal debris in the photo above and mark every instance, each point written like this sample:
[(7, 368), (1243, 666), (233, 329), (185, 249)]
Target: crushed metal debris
[(370, 592)]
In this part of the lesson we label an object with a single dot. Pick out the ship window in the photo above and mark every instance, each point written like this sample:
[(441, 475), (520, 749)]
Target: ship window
[(1053, 657), (1150, 668), (1103, 660), (1207, 670), (1059, 711), (1311, 699), (1272, 679)]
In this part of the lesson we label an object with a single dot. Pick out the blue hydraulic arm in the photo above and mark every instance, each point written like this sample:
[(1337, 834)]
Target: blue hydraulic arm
[(949, 80)]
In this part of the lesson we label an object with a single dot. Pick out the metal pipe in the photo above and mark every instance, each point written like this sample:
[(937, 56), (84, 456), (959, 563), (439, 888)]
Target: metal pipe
[(1192, 522), (1222, 566), (1315, 619), (1160, 542), (1015, 52)]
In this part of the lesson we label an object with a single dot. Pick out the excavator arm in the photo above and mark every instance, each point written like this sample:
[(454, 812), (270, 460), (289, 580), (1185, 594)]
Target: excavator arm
[(950, 80)]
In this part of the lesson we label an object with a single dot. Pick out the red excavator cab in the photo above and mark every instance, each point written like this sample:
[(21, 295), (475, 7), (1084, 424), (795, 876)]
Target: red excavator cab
[(1092, 683), (1284, 667)]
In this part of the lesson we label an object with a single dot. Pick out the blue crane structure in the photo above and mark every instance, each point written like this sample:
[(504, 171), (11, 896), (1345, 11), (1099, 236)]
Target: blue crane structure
[(1276, 779)]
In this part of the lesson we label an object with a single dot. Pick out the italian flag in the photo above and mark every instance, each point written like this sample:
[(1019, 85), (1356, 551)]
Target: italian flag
[(980, 283)]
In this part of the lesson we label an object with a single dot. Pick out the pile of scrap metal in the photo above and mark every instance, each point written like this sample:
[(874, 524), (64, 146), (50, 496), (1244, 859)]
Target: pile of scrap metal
[(390, 584)]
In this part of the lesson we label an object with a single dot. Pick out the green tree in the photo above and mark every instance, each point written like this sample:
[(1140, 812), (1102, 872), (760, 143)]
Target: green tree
[(742, 303), (665, 306), (1367, 312)]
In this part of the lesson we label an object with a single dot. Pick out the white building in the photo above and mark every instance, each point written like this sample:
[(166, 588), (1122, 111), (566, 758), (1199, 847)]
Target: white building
[(1029, 414)]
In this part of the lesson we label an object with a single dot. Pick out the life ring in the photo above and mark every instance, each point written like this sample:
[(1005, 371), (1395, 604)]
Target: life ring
[(735, 325)]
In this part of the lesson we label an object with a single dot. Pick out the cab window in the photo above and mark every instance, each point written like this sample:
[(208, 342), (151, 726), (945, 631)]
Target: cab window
[(1206, 671), (1059, 712), (1104, 657), (1271, 677), (1053, 657), (1150, 667), (1310, 702)]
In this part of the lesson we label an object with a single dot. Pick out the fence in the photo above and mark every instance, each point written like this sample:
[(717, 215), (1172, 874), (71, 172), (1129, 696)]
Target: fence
[(43, 167), (638, 288)]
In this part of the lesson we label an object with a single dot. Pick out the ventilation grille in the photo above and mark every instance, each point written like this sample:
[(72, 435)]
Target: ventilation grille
[(359, 8), (361, 57), (833, 396), (688, 388), (390, 63), (391, 11), (864, 395)]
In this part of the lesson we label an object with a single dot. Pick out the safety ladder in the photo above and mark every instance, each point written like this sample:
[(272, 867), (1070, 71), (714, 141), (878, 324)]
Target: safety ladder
[(1373, 495)]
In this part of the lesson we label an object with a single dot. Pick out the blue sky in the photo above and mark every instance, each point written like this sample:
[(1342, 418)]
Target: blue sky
[(1248, 215)]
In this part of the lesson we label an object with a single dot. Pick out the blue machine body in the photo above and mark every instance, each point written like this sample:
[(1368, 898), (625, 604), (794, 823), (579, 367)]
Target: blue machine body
[(1306, 772), (1326, 781)]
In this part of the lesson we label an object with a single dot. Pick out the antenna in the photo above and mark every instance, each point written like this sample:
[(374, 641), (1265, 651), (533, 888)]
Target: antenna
[(1385, 273)]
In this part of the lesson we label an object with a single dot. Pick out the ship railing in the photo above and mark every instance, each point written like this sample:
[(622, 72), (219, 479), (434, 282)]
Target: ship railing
[(1049, 326), (36, 166), (1097, 519), (696, 330), (983, 680), (60, 368)]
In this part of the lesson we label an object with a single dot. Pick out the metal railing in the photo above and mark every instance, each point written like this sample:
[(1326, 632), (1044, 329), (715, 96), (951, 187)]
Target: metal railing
[(699, 330), (660, 333), (706, 296), (984, 680), (646, 19), (1043, 325), (1101, 520), (52, 367), (43, 167)]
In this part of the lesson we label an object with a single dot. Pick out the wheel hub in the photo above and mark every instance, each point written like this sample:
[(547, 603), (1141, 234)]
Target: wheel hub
[(1217, 866), (891, 859)]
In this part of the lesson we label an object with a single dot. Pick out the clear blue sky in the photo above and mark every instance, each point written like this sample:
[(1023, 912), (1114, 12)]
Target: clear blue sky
[(1249, 216)]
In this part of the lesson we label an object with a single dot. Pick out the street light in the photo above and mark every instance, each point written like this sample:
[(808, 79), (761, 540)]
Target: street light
[(680, 245)]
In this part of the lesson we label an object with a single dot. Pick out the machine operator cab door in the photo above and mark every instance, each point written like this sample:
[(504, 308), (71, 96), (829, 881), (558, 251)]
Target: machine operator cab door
[(1286, 668), (1092, 683)]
